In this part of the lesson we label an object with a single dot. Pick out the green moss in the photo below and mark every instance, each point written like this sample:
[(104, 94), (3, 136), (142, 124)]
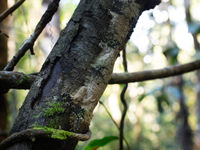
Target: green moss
[(52, 111), (54, 123), (35, 124), (61, 134), (54, 108), (56, 133), (24, 79)]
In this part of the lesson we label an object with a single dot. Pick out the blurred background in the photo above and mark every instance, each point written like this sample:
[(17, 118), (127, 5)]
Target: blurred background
[(163, 114)]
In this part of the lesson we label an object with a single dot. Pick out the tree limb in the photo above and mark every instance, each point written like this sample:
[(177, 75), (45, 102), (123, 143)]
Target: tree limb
[(10, 10), (28, 44), (15, 80), (118, 78), (18, 80)]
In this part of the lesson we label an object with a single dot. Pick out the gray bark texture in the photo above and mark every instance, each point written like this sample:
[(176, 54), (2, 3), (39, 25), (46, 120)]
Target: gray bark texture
[(77, 71)]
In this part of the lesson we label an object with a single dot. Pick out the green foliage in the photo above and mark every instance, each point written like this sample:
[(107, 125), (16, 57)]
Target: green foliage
[(97, 143), (24, 79), (55, 133), (54, 108)]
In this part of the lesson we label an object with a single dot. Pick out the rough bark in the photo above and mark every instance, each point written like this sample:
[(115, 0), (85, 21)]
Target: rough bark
[(77, 71)]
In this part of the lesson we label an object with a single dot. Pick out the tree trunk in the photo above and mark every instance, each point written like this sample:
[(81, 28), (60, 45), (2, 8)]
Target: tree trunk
[(77, 71), (3, 62)]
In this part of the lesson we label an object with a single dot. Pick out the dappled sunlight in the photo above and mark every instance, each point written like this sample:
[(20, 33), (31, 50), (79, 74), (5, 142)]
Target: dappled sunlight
[(158, 57), (183, 39), (113, 103)]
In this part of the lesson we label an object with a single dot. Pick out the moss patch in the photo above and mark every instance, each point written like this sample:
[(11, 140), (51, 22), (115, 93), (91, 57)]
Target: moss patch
[(54, 108), (54, 123), (24, 79), (56, 133)]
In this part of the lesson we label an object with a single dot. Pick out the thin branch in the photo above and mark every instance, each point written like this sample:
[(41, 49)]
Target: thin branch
[(10, 10), (32, 134), (29, 43), (122, 96), (119, 78), (10, 80)]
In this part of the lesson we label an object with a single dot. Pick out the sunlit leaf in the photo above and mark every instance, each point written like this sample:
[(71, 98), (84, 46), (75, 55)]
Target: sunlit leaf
[(95, 144)]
